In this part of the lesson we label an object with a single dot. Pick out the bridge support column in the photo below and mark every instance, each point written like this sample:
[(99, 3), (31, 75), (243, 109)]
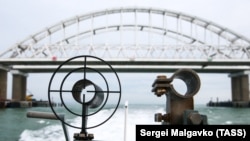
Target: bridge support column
[(3, 83), (240, 89), (19, 86)]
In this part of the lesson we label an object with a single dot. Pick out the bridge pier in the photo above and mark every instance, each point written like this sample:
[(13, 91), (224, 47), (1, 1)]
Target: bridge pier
[(3, 83), (19, 86), (240, 89)]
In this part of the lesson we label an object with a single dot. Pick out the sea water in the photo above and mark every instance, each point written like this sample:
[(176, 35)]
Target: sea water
[(15, 126)]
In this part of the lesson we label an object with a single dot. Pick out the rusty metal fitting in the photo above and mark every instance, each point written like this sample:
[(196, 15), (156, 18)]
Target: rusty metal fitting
[(160, 85), (195, 118), (162, 77), (177, 103), (160, 91), (190, 78), (159, 117)]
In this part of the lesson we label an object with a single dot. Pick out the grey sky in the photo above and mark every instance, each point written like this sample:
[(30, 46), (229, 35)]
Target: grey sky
[(22, 18)]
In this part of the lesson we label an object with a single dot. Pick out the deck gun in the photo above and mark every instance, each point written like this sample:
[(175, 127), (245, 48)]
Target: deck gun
[(179, 107), (91, 96)]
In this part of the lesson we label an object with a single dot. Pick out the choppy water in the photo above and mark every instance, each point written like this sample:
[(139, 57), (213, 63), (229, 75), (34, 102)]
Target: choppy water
[(15, 126)]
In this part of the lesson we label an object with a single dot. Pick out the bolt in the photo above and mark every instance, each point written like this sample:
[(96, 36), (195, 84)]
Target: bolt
[(161, 77), (195, 118), (159, 117), (160, 91)]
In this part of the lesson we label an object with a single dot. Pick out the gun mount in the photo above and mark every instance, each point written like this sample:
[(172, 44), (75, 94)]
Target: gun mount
[(89, 89), (179, 107)]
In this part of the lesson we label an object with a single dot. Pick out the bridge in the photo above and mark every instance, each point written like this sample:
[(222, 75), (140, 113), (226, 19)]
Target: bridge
[(131, 39)]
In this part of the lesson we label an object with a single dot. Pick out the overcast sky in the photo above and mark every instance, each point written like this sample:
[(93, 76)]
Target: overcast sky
[(22, 18)]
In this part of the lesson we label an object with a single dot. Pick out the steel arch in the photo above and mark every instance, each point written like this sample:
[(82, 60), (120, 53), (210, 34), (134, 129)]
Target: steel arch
[(188, 36)]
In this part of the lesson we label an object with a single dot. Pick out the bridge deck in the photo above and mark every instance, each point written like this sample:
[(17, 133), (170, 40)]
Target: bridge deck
[(38, 65)]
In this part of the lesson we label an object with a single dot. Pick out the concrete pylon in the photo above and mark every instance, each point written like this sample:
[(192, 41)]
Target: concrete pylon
[(240, 89), (19, 86), (3, 84)]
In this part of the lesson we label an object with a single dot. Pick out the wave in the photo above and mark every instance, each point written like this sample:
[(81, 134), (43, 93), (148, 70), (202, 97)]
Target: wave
[(112, 130)]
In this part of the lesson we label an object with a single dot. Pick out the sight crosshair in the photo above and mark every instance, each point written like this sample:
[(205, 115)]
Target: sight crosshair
[(87, 93)]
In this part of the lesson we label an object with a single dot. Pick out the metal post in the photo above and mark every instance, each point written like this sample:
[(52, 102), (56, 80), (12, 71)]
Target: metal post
[(125, 121)]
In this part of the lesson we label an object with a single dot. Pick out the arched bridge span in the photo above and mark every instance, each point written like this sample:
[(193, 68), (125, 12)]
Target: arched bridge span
[(136, 35), (134, 39)]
